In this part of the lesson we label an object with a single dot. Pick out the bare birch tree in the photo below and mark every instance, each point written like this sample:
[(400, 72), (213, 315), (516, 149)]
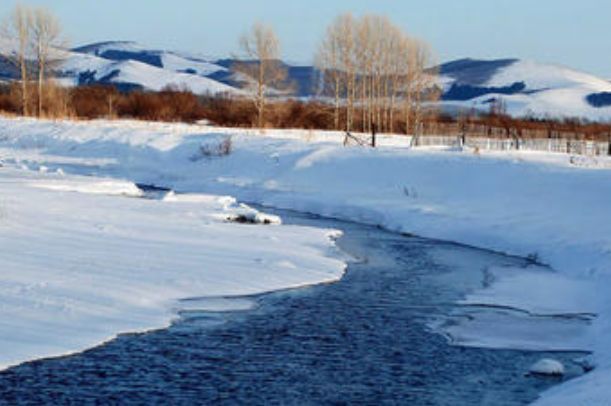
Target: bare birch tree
[(329, 64), (421, 81), (45, 42), (395, 73), (347, 46), (374, 65), (262, 66), (337, 54), (17, 29)]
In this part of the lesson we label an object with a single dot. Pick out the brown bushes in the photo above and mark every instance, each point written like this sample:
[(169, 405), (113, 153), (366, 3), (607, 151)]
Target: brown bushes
[(57, 100), (229, 112), (92, 102), (168, 105), (7, 100), (279, 114), (105, 101)]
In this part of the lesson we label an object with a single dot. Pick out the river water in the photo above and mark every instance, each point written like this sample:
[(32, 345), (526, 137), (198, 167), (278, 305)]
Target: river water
[(364, 340)]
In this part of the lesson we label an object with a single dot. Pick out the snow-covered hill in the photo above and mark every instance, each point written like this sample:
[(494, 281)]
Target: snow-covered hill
[(81, 69), (169, 60), (528, 88), (129, 66)]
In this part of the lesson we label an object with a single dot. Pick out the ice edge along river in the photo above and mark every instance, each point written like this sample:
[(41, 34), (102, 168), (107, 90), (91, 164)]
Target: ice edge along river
[(82, 262)]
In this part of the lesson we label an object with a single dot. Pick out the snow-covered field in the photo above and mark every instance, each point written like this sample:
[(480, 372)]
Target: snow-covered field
[(546, 206)]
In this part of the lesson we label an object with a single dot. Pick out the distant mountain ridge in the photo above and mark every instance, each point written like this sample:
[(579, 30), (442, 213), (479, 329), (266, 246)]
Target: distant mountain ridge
[(527, 88)]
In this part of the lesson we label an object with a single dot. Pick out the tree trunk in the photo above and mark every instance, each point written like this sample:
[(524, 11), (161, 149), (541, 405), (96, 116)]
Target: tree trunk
[(337, 101), (24, 86), (41, 78)]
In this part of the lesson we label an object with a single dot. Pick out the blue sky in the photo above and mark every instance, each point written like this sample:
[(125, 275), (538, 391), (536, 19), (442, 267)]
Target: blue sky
[(569, 32)]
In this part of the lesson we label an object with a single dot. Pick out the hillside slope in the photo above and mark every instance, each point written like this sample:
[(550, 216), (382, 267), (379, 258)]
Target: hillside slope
[(527, 88)]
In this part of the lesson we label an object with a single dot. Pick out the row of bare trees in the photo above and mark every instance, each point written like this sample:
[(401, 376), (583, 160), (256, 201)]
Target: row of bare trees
[(370, 65), (34, 37)]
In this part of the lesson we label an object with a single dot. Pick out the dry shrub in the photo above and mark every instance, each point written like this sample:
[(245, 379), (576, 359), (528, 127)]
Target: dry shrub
[(230, 112), (94, 101), (215, 147), (238, 112), (8, 101), (57, 101), (167, 105)]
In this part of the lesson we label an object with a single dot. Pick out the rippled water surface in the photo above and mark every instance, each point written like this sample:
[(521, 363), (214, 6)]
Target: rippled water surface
[(362, 340)]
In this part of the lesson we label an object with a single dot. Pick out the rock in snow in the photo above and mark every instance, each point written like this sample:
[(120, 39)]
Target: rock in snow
[(547, 366)]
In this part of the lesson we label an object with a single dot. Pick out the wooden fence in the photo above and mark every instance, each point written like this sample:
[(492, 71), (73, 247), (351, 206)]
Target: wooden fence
[(562, 145)]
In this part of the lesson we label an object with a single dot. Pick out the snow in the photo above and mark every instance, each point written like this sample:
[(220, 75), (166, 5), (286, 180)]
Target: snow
[(175, 71), (153, 78), (175, 61), (105, 187), (551, 91), (539, 76), (495, 327), (564, 295), (148, 76), (547, 367), (82, 262), (179, 63), (240, 212), (539, 205)]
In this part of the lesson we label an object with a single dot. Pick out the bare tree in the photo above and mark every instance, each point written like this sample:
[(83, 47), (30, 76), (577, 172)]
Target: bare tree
[(346, 26), (261, 65), (17, 29), (45, 42), (398, 56), (372, 63), (329, 64), (419, 83)]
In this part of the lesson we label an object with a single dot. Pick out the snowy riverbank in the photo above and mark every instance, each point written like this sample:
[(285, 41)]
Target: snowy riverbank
[(85, 259), (547, 206)]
